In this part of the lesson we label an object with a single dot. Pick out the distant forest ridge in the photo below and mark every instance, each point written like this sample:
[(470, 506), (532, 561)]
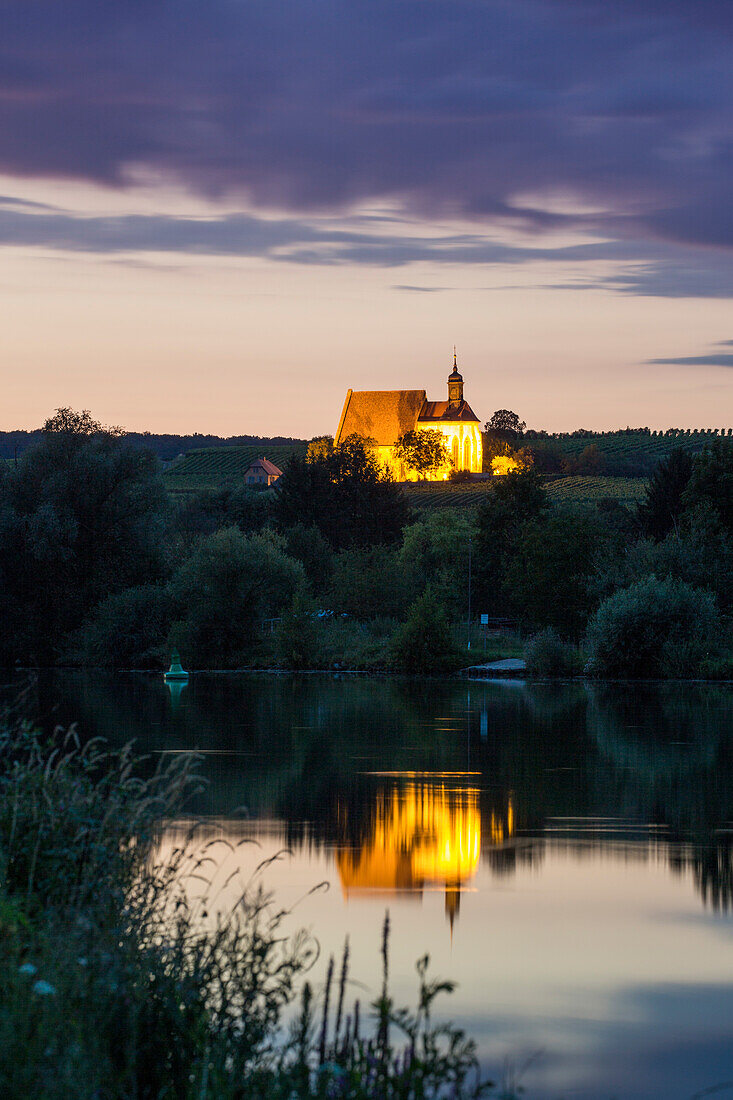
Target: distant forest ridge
[(616, 444), (165, 446)]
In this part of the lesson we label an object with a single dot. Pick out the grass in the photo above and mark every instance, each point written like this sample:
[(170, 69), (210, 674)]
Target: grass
[(564, 490), (122, 978), (590, 490)]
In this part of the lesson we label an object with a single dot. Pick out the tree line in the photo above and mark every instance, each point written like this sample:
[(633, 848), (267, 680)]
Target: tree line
[(100, 565)]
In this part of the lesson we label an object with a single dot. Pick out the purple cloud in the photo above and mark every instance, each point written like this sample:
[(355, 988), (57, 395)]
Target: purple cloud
[(447, 107)]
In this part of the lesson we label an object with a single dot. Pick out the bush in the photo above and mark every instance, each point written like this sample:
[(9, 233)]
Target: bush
[(655, 628), (424, 644), (127, 630), (297, 638), (547, 655), (368, 583), (224, 590)]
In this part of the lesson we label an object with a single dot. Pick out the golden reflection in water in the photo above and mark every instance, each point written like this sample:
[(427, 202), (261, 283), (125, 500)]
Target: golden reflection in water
[(422, 834)]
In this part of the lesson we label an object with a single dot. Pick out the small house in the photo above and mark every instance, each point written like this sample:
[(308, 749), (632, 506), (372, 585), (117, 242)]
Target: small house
[(262, 472)]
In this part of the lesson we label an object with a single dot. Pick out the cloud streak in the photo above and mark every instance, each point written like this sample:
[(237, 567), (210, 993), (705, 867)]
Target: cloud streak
[(637, 267), (712, 360)]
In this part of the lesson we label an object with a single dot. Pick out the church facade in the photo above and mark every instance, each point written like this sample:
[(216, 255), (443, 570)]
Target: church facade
[(382, 416)]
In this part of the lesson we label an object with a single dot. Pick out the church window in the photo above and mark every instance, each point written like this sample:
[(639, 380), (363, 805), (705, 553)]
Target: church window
[(456, 454), (467, 453)]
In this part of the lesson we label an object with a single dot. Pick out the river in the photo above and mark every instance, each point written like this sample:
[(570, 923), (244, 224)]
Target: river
[(563, 852)]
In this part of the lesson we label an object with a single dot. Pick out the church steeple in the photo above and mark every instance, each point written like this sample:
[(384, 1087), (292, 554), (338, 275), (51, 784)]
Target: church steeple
[(455, 383)]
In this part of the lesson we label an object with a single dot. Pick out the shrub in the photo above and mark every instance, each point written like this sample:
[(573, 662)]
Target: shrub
[(547, 655), (224, 590), (656, 628), (127, 630), (297, 638), (423, 643), (368, 583)]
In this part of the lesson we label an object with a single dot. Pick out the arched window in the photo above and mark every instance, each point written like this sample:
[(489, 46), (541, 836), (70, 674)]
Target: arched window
[(467, 453), (456, 454)]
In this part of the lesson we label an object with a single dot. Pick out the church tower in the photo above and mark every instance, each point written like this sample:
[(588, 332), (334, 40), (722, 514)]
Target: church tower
[(455, 383)]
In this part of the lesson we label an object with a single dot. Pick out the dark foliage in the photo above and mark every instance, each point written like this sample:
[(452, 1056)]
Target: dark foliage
[(82, 516), (368, 583), (548, 574), (223, 591), (423, 643), (664, 503), (653, 628), (345, 494), (711, 482), (506, 425), (164, 445), (515, 498), (208, 511)]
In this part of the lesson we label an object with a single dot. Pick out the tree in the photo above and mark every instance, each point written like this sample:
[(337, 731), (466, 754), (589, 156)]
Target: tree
[(321, 446), (435, 553), (82, 516), (514, 499), (664, 503), (653, 628), (711, 481), (547, 575), (505, 424), (423, 643), (127, 630), (368, 583), (297, 636), (425, 452), (230, 583), (68, 421), (347, 495), (308, 546)]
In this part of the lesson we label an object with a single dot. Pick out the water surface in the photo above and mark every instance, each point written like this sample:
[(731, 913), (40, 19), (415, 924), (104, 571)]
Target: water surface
[(562, 851)]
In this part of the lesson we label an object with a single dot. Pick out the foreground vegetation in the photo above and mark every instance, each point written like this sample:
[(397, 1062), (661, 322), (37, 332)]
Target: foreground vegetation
[(121, 980), (99, 565)]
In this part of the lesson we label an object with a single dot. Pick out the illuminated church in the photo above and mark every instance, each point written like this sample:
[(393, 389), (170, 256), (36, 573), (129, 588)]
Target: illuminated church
[(382, 416)]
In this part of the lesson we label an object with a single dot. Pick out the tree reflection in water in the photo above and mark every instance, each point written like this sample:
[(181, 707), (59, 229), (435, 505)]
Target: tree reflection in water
[(403, 780)]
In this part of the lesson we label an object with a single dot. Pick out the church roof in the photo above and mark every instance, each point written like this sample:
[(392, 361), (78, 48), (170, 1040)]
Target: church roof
[(443, 410), (381, 415)]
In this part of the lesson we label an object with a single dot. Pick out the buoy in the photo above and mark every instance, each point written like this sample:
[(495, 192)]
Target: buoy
[(175, 672)]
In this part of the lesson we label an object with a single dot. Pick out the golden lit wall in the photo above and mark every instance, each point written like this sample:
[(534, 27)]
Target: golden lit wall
[(464, 446)]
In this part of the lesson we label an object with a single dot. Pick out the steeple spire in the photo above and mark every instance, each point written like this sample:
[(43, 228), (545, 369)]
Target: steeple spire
[(455, 383)]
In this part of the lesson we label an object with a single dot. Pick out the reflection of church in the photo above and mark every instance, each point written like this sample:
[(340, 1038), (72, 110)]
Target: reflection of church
[(384, 415), (423, 834)]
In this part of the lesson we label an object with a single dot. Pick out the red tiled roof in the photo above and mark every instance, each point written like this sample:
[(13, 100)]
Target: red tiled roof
[(443, 410), (264, 464)]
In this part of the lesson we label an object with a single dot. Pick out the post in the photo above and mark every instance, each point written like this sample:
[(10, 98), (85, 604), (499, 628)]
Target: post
[(470, 543)]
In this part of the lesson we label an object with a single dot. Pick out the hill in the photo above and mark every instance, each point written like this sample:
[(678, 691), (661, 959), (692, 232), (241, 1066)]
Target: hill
[(631, 452)]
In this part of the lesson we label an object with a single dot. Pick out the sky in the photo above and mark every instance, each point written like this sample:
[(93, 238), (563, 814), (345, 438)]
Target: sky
[(218, 215)]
